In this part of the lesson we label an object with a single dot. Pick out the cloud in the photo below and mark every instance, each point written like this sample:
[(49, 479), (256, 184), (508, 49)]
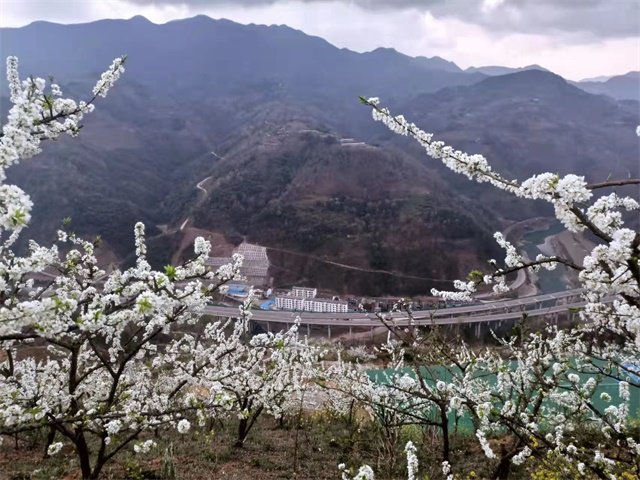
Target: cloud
[(490, 5), (599, 18)]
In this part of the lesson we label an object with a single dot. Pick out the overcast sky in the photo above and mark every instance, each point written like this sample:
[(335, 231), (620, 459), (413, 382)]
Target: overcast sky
[(575, 38)]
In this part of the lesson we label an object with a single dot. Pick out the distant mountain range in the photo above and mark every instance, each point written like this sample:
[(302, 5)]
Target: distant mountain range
[(620, 87), (267, 118), (497, 70), (599, 78)]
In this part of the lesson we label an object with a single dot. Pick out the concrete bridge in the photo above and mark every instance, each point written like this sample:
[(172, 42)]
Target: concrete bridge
[(481, 316)]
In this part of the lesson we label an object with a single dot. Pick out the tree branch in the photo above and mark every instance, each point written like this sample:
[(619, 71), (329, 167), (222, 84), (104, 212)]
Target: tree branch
[(614, 183)]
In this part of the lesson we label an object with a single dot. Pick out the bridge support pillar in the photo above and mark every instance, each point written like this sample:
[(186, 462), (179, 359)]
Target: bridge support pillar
[(268, 327), (329, 332), (308, 330), (350, 332)]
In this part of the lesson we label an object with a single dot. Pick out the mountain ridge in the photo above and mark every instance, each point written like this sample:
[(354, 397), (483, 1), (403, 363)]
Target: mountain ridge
[(497, 70), (620, 87)]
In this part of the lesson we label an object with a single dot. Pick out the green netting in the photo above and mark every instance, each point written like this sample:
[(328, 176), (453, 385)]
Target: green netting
[(432, 374)]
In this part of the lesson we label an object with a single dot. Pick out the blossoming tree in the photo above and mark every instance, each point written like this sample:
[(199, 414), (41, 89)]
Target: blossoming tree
[(271, 377), (83, 355), (539, 391)]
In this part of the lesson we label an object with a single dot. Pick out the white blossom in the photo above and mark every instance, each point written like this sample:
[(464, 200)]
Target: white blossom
[(109, 77), (183, 426), (54, 448), (144, 447), (412, 461)]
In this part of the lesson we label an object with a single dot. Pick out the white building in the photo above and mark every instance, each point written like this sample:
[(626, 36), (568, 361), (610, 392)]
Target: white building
[(302, 304), (304, 292), (290, 303)]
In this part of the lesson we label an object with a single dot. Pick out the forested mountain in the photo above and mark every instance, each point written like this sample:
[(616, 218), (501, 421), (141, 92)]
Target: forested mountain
[(270, 117)]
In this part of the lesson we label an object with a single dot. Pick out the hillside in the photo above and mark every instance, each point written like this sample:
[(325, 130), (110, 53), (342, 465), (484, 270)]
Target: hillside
[(264, 112), (515, 121), (293, 188)]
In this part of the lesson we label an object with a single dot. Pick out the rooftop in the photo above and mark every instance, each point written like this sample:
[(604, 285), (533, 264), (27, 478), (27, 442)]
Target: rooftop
[(323, 300)]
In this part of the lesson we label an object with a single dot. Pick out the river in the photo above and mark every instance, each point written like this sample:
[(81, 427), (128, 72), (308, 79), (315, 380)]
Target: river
[(548, 281)]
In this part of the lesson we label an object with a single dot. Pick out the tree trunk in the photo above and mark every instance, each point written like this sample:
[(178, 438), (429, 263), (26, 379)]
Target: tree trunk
[(242, 433), (84, 456), (95, 474), (502, 470), (101, 458), (51, 436), (244, 427), (444, 420), (504, 467)]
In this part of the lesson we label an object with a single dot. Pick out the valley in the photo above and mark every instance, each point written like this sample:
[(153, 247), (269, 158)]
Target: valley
[(288, 159)]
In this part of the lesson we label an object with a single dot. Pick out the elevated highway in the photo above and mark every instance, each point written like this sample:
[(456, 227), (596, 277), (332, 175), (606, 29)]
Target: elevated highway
[(552, 305)]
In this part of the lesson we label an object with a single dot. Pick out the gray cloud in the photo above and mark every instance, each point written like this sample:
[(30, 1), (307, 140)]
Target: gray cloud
[(599, 18), (602, 18)]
